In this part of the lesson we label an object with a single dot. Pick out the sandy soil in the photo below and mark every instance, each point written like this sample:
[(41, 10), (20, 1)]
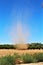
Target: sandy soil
[(40, 63)]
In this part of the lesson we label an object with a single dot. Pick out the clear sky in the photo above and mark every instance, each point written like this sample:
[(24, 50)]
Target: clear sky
[(27, 12)]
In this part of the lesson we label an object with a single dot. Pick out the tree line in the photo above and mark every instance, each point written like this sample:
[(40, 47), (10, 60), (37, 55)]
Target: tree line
[(30, 46)]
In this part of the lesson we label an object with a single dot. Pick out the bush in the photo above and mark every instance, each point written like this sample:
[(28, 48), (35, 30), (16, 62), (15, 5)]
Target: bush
[(7, 47), (35, 46), (27, 58), (7, 60), (21, 46), (39, 57), (10, 60)]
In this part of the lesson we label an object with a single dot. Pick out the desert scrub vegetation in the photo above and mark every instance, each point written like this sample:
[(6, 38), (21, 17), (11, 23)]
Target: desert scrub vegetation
[(39, 57), (7, 60), (17, 59), (27, 58), (10, 60)]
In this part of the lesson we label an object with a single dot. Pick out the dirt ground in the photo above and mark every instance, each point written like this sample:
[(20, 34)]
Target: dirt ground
[(40, 63), (4, 52)]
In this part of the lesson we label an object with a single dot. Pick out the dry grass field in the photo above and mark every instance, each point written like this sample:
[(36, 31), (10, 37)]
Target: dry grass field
[(4, 52)]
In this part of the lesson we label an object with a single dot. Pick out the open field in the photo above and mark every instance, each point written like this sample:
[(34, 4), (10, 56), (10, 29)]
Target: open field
[(4, 52)]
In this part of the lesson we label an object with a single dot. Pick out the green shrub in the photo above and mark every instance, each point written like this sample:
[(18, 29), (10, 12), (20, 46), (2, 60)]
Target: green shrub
[(35, 46), (39, 57), (7, 46), (7, 60), (27, 58)]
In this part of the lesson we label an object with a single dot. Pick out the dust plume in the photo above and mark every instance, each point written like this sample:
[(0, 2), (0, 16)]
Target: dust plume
[(18, 34), (21, 37)]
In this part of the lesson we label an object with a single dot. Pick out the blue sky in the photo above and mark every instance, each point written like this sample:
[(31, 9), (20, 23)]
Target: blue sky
[(27, 12)]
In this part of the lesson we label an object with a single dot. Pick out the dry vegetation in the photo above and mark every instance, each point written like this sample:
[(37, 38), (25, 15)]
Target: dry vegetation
[(4, 52)]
